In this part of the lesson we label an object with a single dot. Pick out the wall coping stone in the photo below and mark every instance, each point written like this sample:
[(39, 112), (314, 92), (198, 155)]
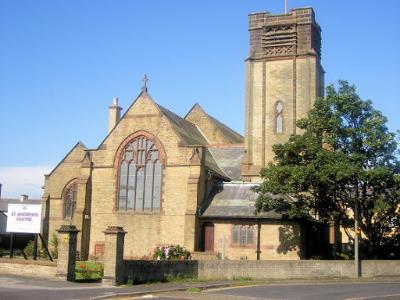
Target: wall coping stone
[(68, 229), (114, 230)]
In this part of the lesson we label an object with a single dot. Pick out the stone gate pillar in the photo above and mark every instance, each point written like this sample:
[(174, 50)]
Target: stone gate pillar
[(67, 241), (113, 255)]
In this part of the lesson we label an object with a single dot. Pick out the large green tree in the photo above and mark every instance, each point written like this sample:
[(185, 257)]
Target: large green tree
[(344, 156)]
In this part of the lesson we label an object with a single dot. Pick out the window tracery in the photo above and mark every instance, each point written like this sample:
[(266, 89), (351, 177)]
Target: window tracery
[(140, 176), (279, 117), (242, 235), (70, 200)]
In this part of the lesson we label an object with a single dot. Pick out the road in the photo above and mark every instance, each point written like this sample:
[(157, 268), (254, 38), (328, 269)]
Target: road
[(332, 291), (18, 288), (386, 290)]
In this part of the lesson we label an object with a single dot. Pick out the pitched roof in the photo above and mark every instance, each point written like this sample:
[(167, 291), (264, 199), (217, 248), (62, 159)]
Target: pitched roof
[(229, 159), (212, 165), (188, 131), (230, 136), (235, 200)]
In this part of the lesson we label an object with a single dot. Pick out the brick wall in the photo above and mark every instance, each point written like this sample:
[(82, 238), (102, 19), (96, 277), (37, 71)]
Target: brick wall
[(147, 271)]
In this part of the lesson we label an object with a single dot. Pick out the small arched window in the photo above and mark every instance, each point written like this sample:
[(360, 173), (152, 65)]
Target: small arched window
[(70, 200), (140, 176), (279, 117)]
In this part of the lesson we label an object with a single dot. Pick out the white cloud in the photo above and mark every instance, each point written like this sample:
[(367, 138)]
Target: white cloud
[(23, 180)]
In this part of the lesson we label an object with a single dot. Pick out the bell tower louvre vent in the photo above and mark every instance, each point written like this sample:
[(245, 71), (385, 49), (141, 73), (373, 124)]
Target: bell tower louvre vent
[(279, 40)]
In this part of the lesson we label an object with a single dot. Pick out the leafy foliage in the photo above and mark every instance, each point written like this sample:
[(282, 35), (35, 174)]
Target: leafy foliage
[(54, 246), (87, 270), (344, 155), (171, 252)]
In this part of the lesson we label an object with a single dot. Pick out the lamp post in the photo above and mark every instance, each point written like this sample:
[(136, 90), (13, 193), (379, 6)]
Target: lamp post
[(357, 265)]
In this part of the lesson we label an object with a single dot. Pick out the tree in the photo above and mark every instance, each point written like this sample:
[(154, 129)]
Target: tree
[(344, 156)]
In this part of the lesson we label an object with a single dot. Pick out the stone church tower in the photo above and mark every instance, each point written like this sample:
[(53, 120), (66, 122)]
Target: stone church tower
[(284, 76)]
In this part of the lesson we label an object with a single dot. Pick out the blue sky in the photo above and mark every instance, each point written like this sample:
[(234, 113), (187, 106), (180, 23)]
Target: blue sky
[(62, 62)]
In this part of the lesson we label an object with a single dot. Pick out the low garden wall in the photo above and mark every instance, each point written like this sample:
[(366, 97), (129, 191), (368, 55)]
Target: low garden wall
[(148, 271), (28, 268), (140, 271)]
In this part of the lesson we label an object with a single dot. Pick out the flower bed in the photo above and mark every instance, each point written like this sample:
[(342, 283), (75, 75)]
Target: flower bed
[(171, 252)]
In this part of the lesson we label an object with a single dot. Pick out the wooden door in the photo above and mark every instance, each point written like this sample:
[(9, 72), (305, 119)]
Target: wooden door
[(209, 237)]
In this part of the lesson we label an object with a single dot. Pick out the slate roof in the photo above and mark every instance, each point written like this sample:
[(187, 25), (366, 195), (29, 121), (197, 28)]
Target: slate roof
[(235, 200), (229, 134), (188, 131), (5, 201), (229, 159), (213, 165), (192, 136)]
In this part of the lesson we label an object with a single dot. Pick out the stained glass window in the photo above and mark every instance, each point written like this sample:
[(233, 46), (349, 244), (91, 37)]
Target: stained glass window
[(140, 176), (70, 200), (279, 117)]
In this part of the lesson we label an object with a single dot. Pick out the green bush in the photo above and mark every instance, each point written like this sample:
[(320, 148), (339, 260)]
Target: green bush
[(29, 248), (54, 246), (171, 252)]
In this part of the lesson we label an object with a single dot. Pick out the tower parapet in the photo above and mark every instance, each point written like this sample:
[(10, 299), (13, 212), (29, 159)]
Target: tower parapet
[(284, 77), (291, 34)]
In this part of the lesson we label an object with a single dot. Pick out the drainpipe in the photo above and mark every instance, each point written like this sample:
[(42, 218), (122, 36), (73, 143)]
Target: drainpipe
[(258, 239)]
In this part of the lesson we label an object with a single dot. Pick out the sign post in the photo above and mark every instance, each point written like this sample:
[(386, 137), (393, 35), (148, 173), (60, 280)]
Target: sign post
[(24, 218)]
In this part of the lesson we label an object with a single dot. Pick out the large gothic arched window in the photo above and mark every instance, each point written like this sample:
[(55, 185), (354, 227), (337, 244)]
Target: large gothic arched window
[(140, 176), (279, 117), (70, 200)]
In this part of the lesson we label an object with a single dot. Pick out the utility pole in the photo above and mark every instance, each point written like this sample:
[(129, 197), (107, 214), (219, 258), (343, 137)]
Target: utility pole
[(286, 7), (357, 264)]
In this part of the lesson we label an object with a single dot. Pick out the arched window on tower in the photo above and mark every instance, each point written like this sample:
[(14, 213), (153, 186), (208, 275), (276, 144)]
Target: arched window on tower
[(279, 117), (70, 200), (140, 176)]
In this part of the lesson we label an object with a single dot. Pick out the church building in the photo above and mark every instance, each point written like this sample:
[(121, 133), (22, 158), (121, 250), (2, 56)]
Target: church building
[(168, 179)]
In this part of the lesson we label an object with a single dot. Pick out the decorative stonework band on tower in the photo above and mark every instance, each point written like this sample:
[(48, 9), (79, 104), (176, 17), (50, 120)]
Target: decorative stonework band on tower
[(114, 255), (67, 251)]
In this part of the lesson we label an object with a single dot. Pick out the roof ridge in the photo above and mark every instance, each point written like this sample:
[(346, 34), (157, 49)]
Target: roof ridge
[(220, 126), (171, 112), (185, 128), (224, 125)]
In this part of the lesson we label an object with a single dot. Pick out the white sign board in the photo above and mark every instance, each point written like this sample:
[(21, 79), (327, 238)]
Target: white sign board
[(24, 218)]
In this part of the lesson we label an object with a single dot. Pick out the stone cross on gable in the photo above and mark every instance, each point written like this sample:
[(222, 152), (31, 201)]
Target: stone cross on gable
[(145, 79)]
